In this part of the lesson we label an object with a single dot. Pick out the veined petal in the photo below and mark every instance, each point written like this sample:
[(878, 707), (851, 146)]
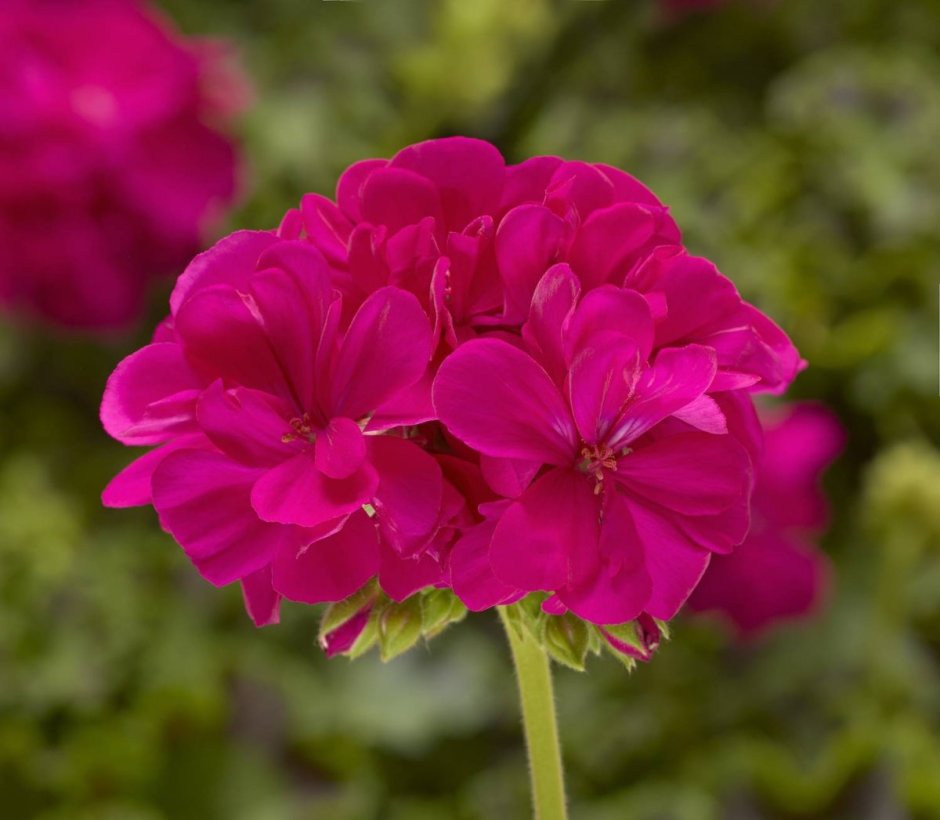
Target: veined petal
[(690, 473), (471, 574), (677, 377), (247, 425), (296, 492), (499, 401), (549, 533), (340, 448), (131, 486), (202, 498), (151, 396), (331, 568), (385, 350), (262, 601), (553, 302)]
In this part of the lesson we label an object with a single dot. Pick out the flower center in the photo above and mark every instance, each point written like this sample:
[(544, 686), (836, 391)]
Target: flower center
[(301, 430), (596, 460)]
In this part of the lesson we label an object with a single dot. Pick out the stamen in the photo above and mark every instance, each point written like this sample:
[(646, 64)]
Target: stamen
[(596, 460), (302, 428)]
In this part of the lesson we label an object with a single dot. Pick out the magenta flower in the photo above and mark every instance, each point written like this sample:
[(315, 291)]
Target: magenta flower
[(114, 151), (261, 402), (459, 374), (778, 572), (635, 479)]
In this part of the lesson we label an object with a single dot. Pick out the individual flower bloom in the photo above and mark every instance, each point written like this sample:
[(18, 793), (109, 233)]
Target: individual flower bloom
[(694, 302), (778, 572), (118, 153), (627, 477), (269, 413)]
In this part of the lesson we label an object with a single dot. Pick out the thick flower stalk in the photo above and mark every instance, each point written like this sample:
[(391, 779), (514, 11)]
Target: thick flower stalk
[(457, 385), (113, 155)]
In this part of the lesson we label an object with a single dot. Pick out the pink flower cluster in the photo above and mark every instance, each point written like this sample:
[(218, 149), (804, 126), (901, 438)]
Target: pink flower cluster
[(495, 379), (111, 161), (778, 573)]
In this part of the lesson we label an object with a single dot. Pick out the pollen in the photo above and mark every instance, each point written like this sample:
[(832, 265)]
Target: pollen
[(596, 461), (301, 430)]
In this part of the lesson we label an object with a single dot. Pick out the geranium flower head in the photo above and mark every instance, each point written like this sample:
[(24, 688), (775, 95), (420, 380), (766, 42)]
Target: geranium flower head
[(504, 383), (114, 150)]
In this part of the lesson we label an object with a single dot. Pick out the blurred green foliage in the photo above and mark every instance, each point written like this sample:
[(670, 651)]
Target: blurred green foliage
[(796, 143)]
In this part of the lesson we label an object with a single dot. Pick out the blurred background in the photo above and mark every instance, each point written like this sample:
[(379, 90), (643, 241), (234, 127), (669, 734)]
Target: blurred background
[(797, 145)]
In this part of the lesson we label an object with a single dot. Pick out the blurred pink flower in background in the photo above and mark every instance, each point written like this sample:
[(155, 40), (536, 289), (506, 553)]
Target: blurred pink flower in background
[(112, 161), (778, 572)]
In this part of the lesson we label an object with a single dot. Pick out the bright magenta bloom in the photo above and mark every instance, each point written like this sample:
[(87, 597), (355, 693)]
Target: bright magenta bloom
[(502, 379), (778, 572), (262, 401), (624, 509), (111, 161)]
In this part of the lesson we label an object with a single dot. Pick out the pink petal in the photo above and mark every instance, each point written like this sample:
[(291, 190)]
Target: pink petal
[(674, 564), (131, 486), (472, 576), (527, 181), (628, 188), (340, 448), (548, 534), (400, 577), (580, 185), (327, 227), (552, 303), (691, 473), (677, 377), (768, 579), (223, 338), (609, 241), (229, 262), (410, 489), (296, 492), (385, 350), (600, 385), (610, 315), (499, 401), (409, 406), (508, 477), (151, 396), (619, 587), (262, 602), (529, 240), (704, 414), (247, 425), (349, 186), (395, 197), (332, 568), (203, 501), (467, 173)]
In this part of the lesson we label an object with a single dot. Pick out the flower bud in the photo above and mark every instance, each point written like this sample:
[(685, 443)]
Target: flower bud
[(567, 640), (636, 640)]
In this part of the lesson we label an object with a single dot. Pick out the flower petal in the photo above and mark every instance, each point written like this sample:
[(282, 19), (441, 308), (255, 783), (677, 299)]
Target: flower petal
[(499, 401), (131, 486), (340, 448), (151, 396), (202, 498), (553, 302), (296, 492), (548, 534), (231, 261), (262, 602), (385, 350), (471, 575), (468, 174), (690, 473), (677, 377), (247, 425), (332, 568)]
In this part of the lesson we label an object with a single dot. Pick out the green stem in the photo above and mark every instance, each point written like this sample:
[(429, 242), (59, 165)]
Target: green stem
[(534, 676)]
